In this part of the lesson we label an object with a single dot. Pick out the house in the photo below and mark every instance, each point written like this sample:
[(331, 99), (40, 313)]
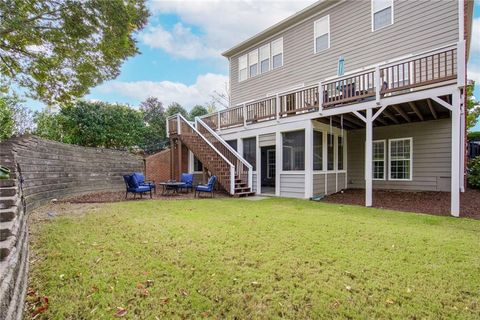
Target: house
[(343, 94)]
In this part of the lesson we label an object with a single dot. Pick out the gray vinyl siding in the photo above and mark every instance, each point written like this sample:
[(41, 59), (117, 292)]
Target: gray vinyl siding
[(431, 156), (418, 26), (331, 183), (265, 140), (292, 185), (318, 184), (341, 181)]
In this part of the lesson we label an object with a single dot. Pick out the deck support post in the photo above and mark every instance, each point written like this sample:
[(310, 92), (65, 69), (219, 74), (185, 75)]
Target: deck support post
[(278, 161), (455, 170), (308, 159), (368, 158), (179, 160)]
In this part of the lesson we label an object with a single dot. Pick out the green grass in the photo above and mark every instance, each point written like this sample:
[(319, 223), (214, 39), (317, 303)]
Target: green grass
[(274, 258)]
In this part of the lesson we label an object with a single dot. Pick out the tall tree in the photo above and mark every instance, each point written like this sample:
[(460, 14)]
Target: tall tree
[(57, 50), (155, 121), (15, 118), (175, 108), (473, 107), (7, 123), (197, 111)]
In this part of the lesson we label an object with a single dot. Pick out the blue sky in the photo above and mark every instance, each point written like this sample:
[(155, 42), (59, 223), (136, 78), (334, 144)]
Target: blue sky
[(180, 49)]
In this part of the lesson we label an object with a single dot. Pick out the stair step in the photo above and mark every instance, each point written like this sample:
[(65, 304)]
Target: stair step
[(244, 194)]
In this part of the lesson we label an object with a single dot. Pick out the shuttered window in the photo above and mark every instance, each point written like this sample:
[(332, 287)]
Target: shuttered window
[(382, 13), (322, 34)]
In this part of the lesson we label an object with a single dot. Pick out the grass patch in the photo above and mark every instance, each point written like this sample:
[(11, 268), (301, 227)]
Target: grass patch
[(274, 258)]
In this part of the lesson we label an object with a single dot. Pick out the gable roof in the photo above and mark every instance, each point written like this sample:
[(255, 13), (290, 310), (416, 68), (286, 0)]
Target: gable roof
[(293, 19)]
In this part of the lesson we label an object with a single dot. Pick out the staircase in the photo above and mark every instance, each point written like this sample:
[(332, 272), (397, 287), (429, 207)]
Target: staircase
[(233, 172)]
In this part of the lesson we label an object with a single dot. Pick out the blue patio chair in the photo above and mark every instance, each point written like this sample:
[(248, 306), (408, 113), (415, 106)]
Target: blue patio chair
[(142, 182), (132, 186), (187, 178), (209, 187)]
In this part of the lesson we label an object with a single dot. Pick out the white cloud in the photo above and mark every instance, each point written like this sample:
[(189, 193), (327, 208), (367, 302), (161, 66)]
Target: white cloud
[(168, 91), (222, 24), (475, 45)]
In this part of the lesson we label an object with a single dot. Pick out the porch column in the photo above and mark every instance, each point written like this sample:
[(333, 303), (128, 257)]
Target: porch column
[(180, 147), (172, 150), (258, 166), (278, 161), (308, 159), (368, 158), (455, 170)]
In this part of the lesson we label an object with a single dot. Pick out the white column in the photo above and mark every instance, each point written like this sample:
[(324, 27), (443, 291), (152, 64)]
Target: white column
[(455, 170), (258, 166), (308, 159), (278, 161), (368, 159)]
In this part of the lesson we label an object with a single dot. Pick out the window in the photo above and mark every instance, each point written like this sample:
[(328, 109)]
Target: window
[(330, 152), (277, 53), (250, 151), (340, 153), (242, 68), (265, 58), (322, 34), (378, 159), (253, 63), (317, 150), (197, 165), (382, 13), (293, 150), (232, 143), (400, 159)]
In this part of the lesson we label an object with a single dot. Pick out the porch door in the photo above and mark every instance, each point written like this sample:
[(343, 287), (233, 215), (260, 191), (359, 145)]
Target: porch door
[(268, 170)]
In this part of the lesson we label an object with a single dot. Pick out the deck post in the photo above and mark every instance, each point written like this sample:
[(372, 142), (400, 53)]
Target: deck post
[(308, 159), (278, 161), (244, 108), (277, 106), (455, 170), (368, 158), (218, 119), (172, 150), (377, 84), (179, 159), (320, 98)]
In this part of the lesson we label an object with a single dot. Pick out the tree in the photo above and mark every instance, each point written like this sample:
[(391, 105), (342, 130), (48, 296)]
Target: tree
[(93, 124), (221, 98), (473, 107), (155, 121), (7, 122), (175, 108), (197, 111), (57, 50)]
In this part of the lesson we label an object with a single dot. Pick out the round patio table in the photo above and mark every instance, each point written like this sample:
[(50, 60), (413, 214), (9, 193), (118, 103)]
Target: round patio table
[(173, 186)]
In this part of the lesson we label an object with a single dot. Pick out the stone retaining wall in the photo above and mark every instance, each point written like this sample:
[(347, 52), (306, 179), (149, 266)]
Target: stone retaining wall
[(49, 170)]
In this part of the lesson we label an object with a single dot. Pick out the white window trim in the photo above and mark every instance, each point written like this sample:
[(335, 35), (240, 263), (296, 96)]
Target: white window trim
[(384, 160), (269, 58), (246, 67), (372, 13), (390, 159), (315, 34), (249, 63), (271, 53)]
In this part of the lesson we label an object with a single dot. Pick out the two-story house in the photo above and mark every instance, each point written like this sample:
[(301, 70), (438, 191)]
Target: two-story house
[(343, 94)]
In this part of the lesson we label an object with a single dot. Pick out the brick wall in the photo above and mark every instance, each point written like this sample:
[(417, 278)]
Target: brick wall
[(49, 170), (158, 166)]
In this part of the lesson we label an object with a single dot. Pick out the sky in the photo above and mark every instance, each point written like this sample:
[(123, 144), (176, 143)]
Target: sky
[(181, 49)]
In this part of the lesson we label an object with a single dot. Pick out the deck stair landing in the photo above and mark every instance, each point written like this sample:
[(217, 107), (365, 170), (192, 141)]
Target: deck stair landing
[(233, 172)]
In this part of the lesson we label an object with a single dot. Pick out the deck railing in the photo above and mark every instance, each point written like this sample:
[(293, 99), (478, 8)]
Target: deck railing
[(377, 82)]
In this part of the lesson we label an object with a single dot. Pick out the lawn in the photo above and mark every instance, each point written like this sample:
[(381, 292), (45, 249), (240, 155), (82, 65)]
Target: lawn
[(273, 258)]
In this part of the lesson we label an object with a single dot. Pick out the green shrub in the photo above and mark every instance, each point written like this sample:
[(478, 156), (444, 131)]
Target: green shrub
[(474, 173)]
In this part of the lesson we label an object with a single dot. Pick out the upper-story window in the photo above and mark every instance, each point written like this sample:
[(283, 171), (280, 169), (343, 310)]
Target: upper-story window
[(265, 58), (277, 53), (253, 63), (242, 68), (382, 13), (322, 34)]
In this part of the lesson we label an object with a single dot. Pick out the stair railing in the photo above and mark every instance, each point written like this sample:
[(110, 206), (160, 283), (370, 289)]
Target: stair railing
[(184, 125), (242, 168)]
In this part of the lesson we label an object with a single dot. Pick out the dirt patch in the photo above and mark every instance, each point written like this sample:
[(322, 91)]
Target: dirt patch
[(437, 203)]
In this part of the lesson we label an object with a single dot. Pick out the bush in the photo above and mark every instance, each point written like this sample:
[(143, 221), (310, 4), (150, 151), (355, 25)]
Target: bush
[(474, 173)]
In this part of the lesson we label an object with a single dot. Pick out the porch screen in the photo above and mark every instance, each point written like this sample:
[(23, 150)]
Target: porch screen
[(330, 152), (249, 151), (400, 159), (317, 150), (293, 150), (340, 153)]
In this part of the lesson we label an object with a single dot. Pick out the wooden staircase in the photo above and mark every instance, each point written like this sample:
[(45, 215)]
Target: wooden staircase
[(233, 172)]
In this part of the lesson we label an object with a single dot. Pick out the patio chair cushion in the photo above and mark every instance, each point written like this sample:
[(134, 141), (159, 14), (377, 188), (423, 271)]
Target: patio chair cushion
[(203, 188), (187, 178), (211, 181), (133, 181), (140, 177), (140, 189)]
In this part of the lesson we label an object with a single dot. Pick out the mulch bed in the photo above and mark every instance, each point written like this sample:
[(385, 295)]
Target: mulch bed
[(437, 203), (118, 196)]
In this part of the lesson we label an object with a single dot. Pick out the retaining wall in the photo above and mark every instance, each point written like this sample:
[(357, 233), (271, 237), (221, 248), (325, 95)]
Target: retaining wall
[(49, 170)]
